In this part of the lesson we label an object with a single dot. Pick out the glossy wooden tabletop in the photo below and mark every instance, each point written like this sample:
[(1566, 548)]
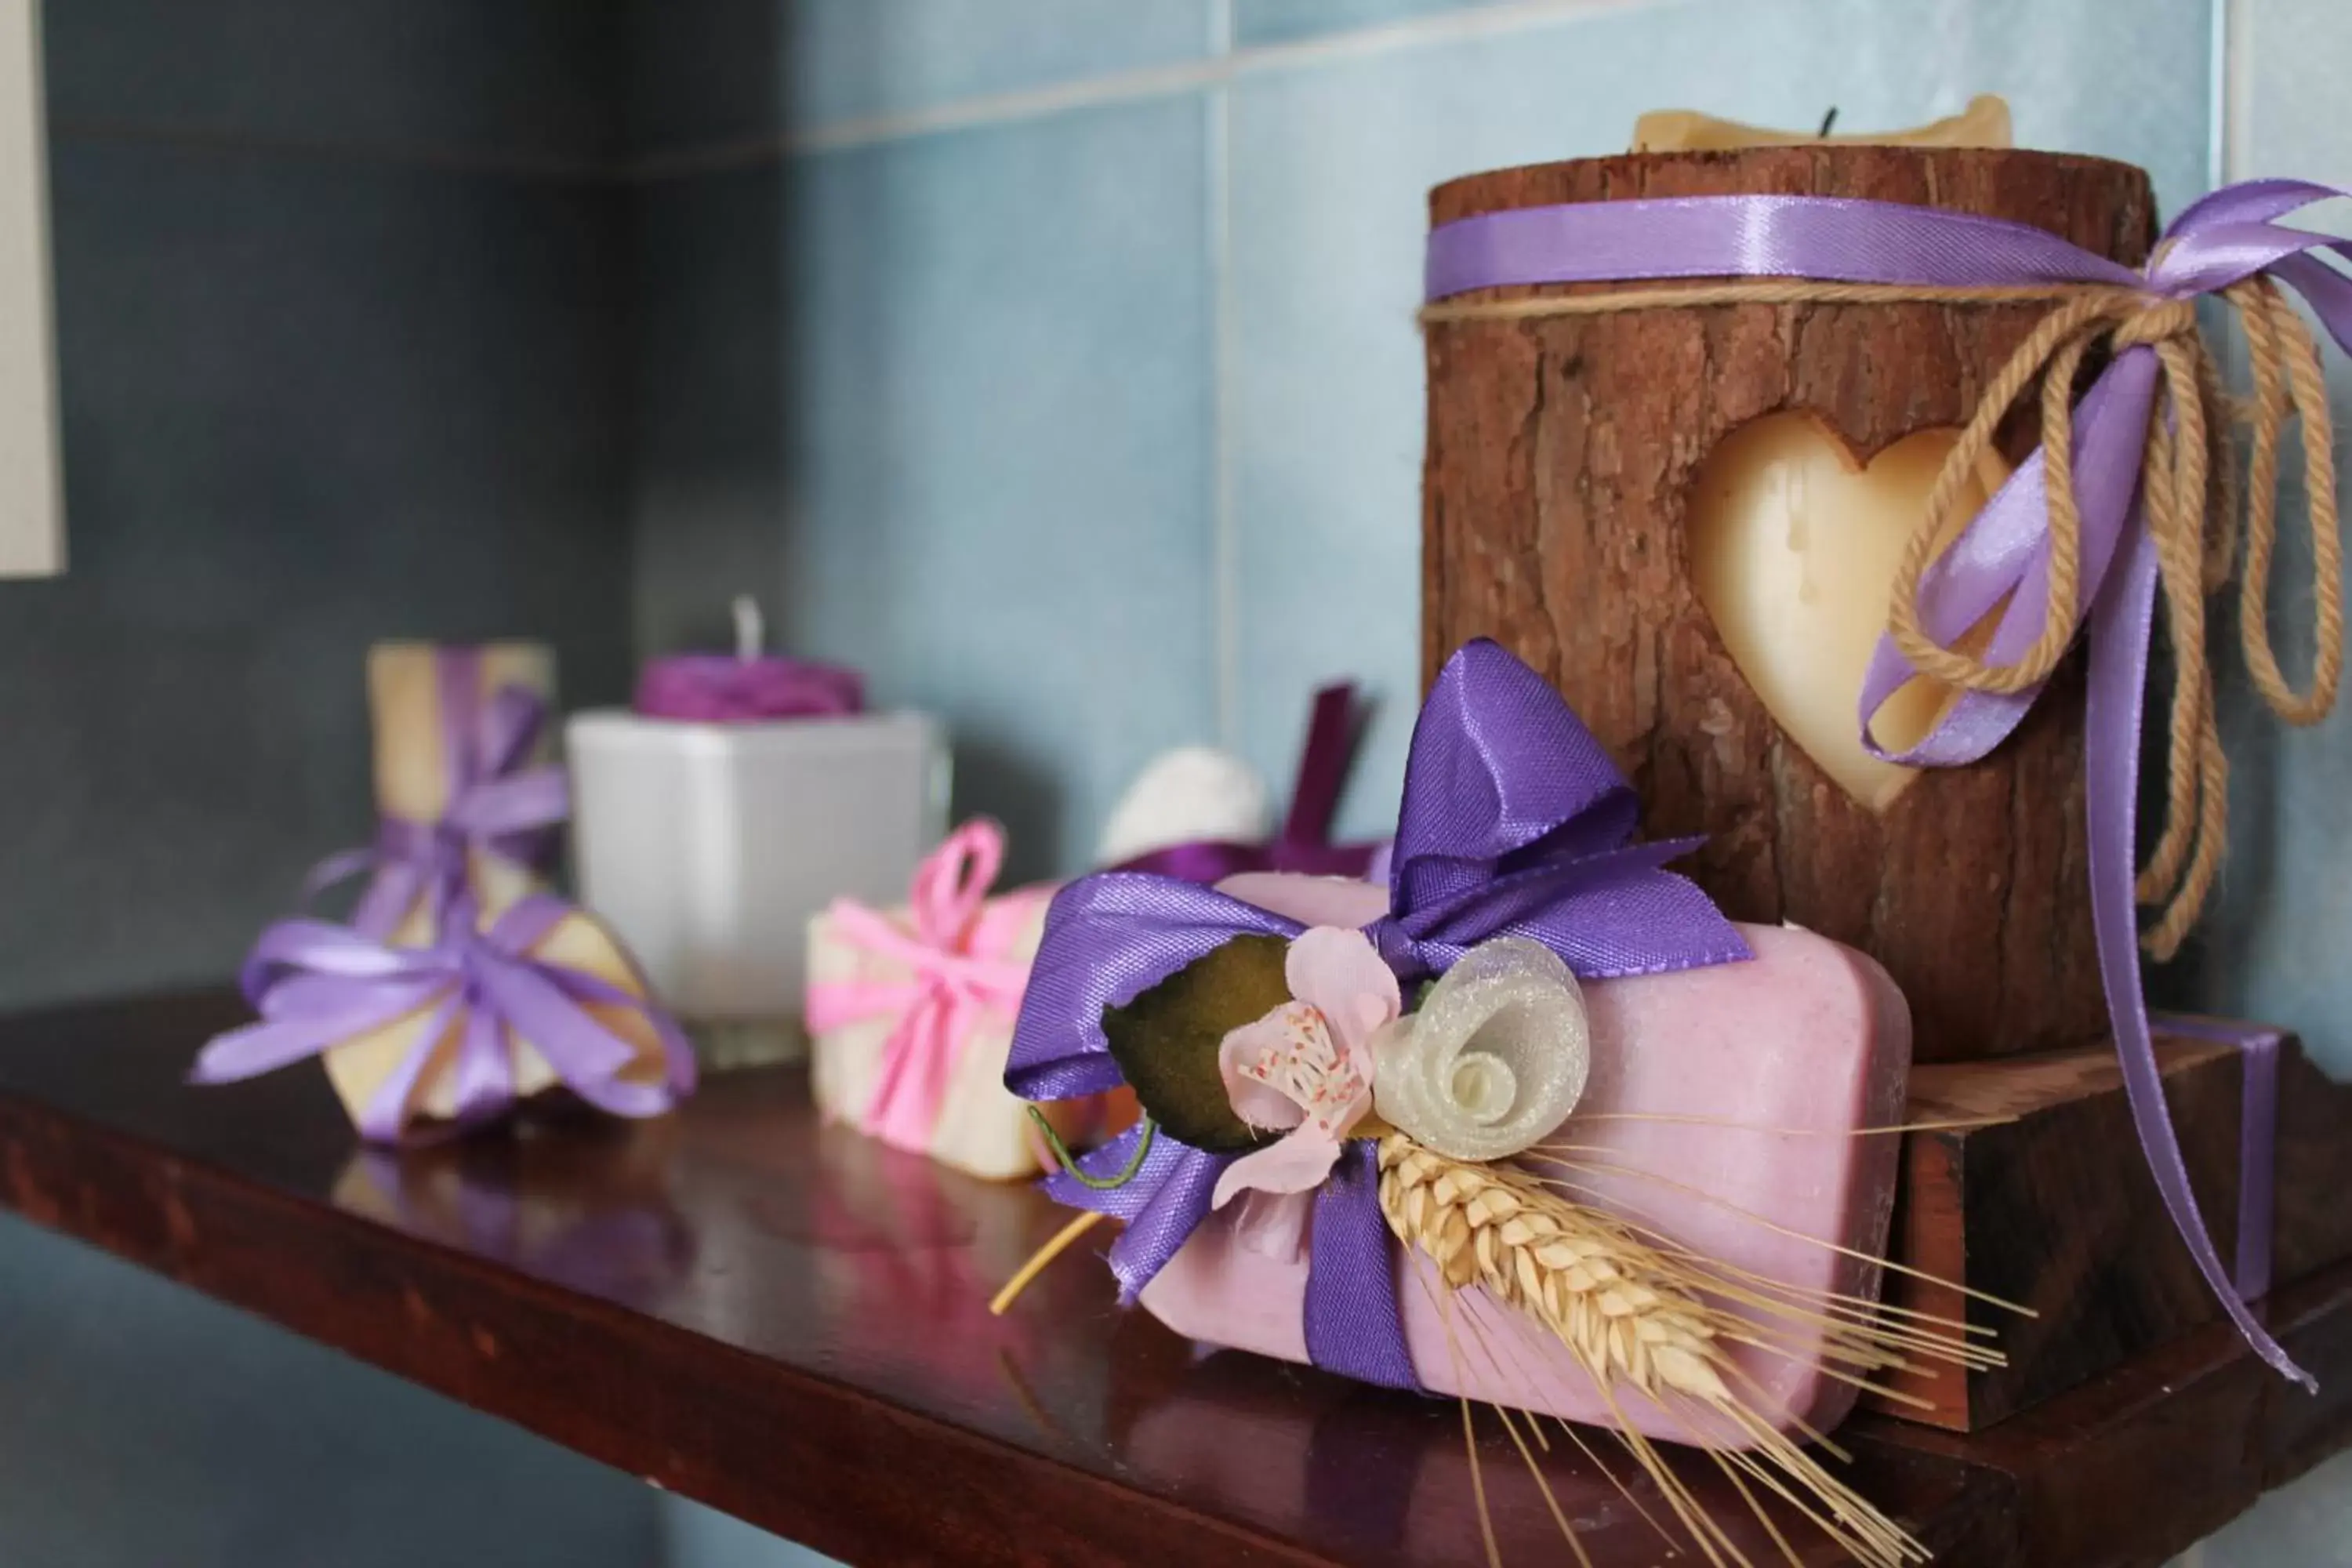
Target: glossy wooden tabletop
[(789, 1322)]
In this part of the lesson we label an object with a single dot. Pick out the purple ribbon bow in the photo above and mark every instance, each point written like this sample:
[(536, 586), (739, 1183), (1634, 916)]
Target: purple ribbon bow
[(1514, 822), (1304, 844), (497, 805), (316, 984), (2003, 554)]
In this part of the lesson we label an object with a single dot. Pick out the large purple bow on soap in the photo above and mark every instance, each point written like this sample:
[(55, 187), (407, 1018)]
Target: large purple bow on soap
[(1515, 822)]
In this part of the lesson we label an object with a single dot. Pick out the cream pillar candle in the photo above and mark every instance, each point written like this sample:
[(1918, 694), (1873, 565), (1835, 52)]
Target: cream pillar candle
[(461, 985), (1793, 548), (413, 771), (408, 705), (1984, 123)]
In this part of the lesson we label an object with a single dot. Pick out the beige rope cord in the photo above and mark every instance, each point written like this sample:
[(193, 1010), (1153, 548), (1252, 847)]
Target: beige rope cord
[(2188, 494)]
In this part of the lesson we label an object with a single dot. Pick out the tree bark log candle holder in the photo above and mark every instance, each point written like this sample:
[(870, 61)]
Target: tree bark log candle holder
[(1688, 517)]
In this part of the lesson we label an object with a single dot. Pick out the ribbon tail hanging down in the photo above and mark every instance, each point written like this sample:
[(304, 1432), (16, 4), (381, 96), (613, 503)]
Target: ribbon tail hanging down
[(2121, 624), (2003, 554)]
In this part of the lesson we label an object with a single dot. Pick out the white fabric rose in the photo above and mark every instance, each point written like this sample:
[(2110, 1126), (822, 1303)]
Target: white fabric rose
[(1495, 1059)]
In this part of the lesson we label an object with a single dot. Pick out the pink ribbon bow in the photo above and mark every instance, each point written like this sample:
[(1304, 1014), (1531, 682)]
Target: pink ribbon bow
[(958, 975)]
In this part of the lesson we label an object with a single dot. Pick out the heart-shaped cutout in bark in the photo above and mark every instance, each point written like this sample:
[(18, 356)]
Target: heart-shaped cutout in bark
[(1793, 548)]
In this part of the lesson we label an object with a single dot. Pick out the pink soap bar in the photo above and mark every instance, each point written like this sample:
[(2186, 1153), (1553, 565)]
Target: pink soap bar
[(1748, 1082)]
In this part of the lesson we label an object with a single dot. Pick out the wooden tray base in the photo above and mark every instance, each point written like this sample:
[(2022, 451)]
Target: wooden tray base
[(2054, 1208)]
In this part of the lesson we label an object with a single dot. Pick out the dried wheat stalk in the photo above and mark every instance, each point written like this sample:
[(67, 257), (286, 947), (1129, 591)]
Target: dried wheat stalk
[(1582, 1274), (1635, 1316)]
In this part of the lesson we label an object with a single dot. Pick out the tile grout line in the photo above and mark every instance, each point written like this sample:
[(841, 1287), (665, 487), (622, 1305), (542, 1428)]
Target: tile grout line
[(1224, 543), (1499, 19), (2216, 93), (2233, 67)]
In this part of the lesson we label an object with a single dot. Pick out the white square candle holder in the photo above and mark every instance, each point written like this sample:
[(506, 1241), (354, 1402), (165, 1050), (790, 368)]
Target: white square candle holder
[(709, 847)]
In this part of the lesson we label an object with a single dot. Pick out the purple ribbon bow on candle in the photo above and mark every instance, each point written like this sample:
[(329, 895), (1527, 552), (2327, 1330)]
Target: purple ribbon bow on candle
[(1304, 844), (2004, 555), (1515, 822), (317, 985), (499, 806)]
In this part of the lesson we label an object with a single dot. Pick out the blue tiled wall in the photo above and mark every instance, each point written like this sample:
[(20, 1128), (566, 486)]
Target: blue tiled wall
[(1082, 398), (340, 333), (1075, 389), (941, 401)]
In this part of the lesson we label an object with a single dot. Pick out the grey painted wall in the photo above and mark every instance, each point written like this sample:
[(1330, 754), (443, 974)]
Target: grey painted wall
[(342, 337)]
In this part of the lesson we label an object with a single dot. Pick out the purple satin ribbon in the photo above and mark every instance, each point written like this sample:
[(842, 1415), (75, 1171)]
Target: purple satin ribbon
[(725, 689), (499, 805), (1515, 822), (2227, 237), (1304, 844), (2258, 1048), (317, 985)]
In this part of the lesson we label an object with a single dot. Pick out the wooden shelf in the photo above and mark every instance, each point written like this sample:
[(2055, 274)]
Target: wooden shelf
[(787, 1323)]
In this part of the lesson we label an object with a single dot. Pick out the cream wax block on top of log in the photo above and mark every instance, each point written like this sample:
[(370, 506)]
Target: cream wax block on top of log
[(1984, 123), (1563, 511)]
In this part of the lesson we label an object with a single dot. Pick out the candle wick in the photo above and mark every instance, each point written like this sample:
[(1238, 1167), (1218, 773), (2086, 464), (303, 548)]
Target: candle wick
[(1827, 120), (751, 627)]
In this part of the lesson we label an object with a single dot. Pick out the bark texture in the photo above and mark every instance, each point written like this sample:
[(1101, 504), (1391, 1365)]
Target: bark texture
[(1561, 452)]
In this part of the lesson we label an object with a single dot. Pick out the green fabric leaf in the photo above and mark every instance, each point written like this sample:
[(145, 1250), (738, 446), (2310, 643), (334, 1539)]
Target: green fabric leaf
[(1166, 1040)]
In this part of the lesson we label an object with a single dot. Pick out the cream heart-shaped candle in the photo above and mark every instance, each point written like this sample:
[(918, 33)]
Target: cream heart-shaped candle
[(1793, 549)]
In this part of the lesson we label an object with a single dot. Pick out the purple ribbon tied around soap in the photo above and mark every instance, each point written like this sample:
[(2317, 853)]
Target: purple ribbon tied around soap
[(501, 804), (1514, 822), (2003, 555), (1303, 842), (318, 985)]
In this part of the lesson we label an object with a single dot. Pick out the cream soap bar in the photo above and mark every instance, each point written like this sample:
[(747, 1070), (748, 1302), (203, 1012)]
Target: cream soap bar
[(981, 1127)]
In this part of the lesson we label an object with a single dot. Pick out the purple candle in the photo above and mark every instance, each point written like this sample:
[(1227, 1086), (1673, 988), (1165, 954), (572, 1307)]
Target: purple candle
[(746, 687)]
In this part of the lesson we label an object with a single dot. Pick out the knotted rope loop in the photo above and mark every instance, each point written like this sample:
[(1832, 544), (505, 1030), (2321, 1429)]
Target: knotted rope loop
[(2189, 497)]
